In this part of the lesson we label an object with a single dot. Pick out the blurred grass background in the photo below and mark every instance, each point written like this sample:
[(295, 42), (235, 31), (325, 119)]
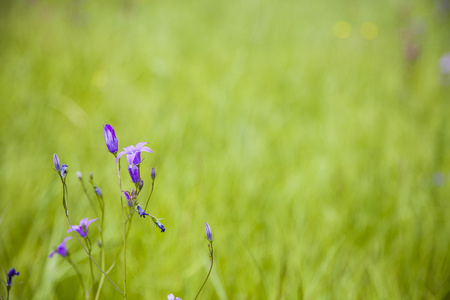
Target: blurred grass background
[(314, 146)]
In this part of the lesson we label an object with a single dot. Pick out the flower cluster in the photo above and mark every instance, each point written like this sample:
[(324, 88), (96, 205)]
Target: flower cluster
[(11, 273), (129, 210)]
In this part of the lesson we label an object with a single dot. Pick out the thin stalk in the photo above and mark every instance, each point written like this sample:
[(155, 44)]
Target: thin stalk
[(79, 277), (149, 196), (89, 246), (65, 196), (87, 195), (124, 236), (211, 255), (102, 256)]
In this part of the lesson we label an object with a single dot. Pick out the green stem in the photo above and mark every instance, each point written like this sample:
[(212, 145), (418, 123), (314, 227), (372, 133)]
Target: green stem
[(65, 196), (149, 196), (124, 236), (79, 277), (211, 256), (89, 246), (102, 256)]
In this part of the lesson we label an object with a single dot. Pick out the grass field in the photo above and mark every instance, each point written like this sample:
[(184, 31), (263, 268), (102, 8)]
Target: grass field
[(315, 144)]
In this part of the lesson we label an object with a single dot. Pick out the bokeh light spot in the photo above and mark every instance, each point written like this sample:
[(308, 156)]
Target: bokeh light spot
[(369, 30), (342, 29)]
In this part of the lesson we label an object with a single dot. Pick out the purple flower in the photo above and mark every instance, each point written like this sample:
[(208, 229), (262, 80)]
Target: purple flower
[(130, 197), (208, 232), (110, 138), (153, 173), (63, 170), (98, 191), (56, 163), (61, 249), (82, 228), (160, 225), (134, 153), (79, 175), (140, 211), (172, 297), (134, 173), (12, 272)]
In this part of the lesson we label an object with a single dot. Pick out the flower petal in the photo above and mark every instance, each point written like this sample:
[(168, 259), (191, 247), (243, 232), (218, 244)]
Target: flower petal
[(120, 155), (139, 146), (146, 149), (89, 222)]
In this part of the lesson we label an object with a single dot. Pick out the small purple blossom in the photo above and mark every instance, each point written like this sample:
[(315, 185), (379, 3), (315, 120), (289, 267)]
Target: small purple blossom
[(160, 225), (79, 175), (130, 197), (134, 153), (172, 297), (110, 138), (82, 228), (153, 173), (98, 191), (64, 170), (134, 173), (141, 212), (208, 232), (56, 163), (11, 273), (61, 249)]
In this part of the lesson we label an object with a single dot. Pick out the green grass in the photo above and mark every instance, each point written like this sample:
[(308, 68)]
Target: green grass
[(311, 157)]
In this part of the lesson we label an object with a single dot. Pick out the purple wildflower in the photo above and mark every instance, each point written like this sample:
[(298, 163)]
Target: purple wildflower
[(110, 138), (56, 163), (98, 191), (82, 228), (130, 197), (172, 297), (160, 225), (134, 153), (141, 212), (12, 272), (208, 232), (153, 173), (61, 249), (63, 170), (134, 173), (79, 175)]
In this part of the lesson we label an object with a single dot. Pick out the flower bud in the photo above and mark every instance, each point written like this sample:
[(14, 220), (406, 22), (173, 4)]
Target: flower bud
[(208, 232), (79, 175), (141, 185), (56, 163), (110, 138), (134, 173), (98, 191), (153, 172)]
